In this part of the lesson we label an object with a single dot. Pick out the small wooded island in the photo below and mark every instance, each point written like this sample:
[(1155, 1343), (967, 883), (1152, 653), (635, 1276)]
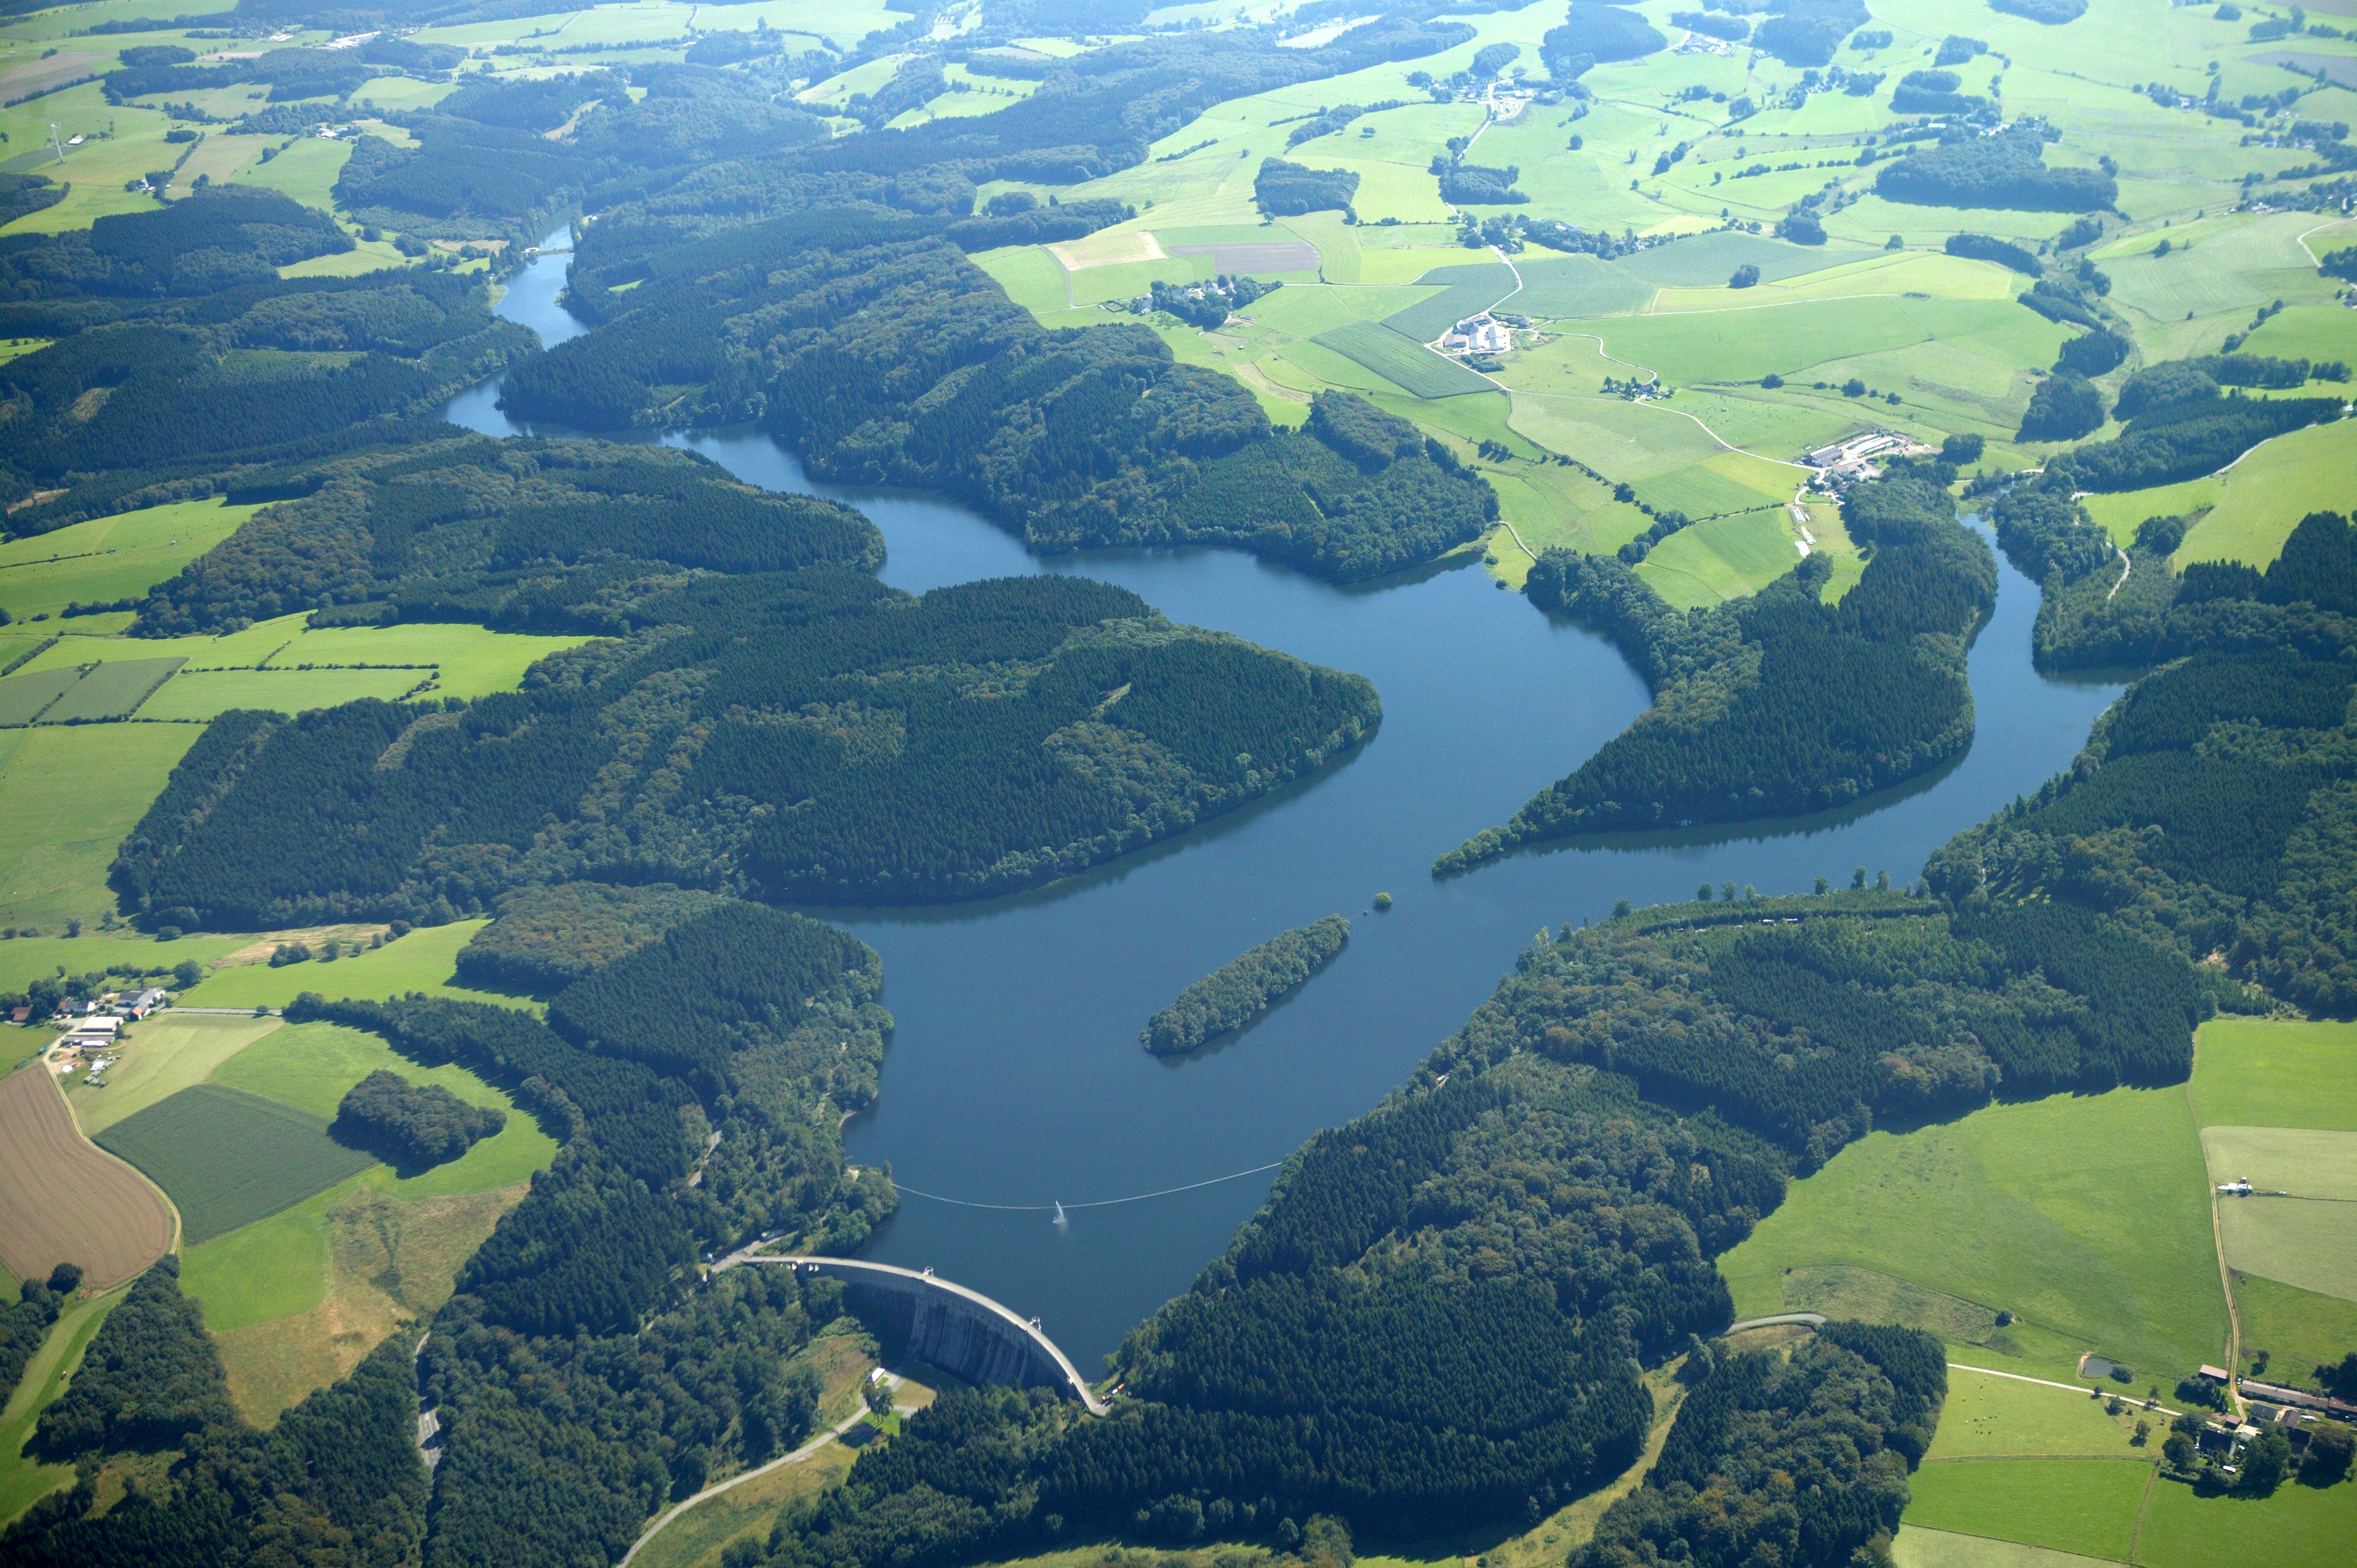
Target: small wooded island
[(1229, 997)]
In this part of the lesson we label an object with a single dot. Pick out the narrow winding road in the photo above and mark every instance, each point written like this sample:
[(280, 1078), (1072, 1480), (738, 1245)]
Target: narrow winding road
[(814, 1446)]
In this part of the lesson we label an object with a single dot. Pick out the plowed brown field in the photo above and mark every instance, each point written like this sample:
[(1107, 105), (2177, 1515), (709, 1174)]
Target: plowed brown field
[(61, 1201)]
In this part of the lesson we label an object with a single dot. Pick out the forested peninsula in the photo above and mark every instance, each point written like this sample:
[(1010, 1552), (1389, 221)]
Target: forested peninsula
[(1780, 703), (1232, 995), (808, 737)]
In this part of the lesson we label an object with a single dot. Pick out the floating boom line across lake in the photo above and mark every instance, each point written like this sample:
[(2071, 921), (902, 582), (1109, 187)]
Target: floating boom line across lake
[(1100, 1203)]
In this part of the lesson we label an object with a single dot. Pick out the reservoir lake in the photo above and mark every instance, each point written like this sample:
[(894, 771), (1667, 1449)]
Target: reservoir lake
[(1015, 1081)]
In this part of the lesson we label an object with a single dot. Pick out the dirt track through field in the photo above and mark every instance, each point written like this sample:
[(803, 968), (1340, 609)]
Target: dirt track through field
[(63, 1200)]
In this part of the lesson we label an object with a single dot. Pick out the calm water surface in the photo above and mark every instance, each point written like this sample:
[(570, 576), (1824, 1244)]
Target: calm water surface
[(1016, 1078)]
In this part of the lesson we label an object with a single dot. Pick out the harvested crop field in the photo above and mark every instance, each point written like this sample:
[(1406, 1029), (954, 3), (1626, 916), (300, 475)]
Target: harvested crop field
[(228, 1158), (61, 1201)]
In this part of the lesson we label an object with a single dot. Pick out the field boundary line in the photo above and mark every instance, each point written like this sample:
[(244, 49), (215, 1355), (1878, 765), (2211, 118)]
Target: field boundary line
[(2135, 1535), (2218, 1247)]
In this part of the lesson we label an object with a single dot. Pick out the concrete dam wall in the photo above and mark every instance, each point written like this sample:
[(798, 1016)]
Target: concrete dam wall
[(959, 1330)]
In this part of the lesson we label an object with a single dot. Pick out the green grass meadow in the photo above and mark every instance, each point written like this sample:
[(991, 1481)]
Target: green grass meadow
[(2299, 1330), (2265, 1073), (111, 558), (2299, 1527), (162, 1056), (2084, 1216), (227, 1158), (65, 816), (1992, 1417), (24, 1480), (2084, 1506), (426, 960), (2271, 489)]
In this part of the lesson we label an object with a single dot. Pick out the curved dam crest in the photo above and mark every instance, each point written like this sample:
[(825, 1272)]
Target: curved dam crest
[(951, 1327)]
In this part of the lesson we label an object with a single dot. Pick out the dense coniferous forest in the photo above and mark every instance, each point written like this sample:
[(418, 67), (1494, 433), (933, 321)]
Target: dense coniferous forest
[(1240, 990), (1780, 703), (523, 535), (137, 399), (2213, 812), (412, 1125), (1844, 1006), (982, 739)]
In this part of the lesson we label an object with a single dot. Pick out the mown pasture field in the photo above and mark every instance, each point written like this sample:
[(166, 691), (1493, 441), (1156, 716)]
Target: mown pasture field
[(2299, 1330), (1918, 1547), (426, 960), (227, 1158), (2085, 1506), (162, 1056), (2265, 1073), (2085, 1216), (2271, 489), (64, 1201), (204, 695), (2300, 1526), (2278, 1103), (1726, 558), (2307, 1162), (2309, 1244), (66, 816), (111, 558), (1992, 1417)]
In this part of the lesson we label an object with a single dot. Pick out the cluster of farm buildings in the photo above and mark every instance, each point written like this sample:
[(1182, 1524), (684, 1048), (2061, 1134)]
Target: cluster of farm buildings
[(1859, 458), (1482, 334), (92, 1038)]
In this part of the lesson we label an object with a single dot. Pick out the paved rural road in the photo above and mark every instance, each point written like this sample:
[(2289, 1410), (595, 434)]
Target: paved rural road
[(1808, 1318), (799, 1454), (2067, 1387)]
